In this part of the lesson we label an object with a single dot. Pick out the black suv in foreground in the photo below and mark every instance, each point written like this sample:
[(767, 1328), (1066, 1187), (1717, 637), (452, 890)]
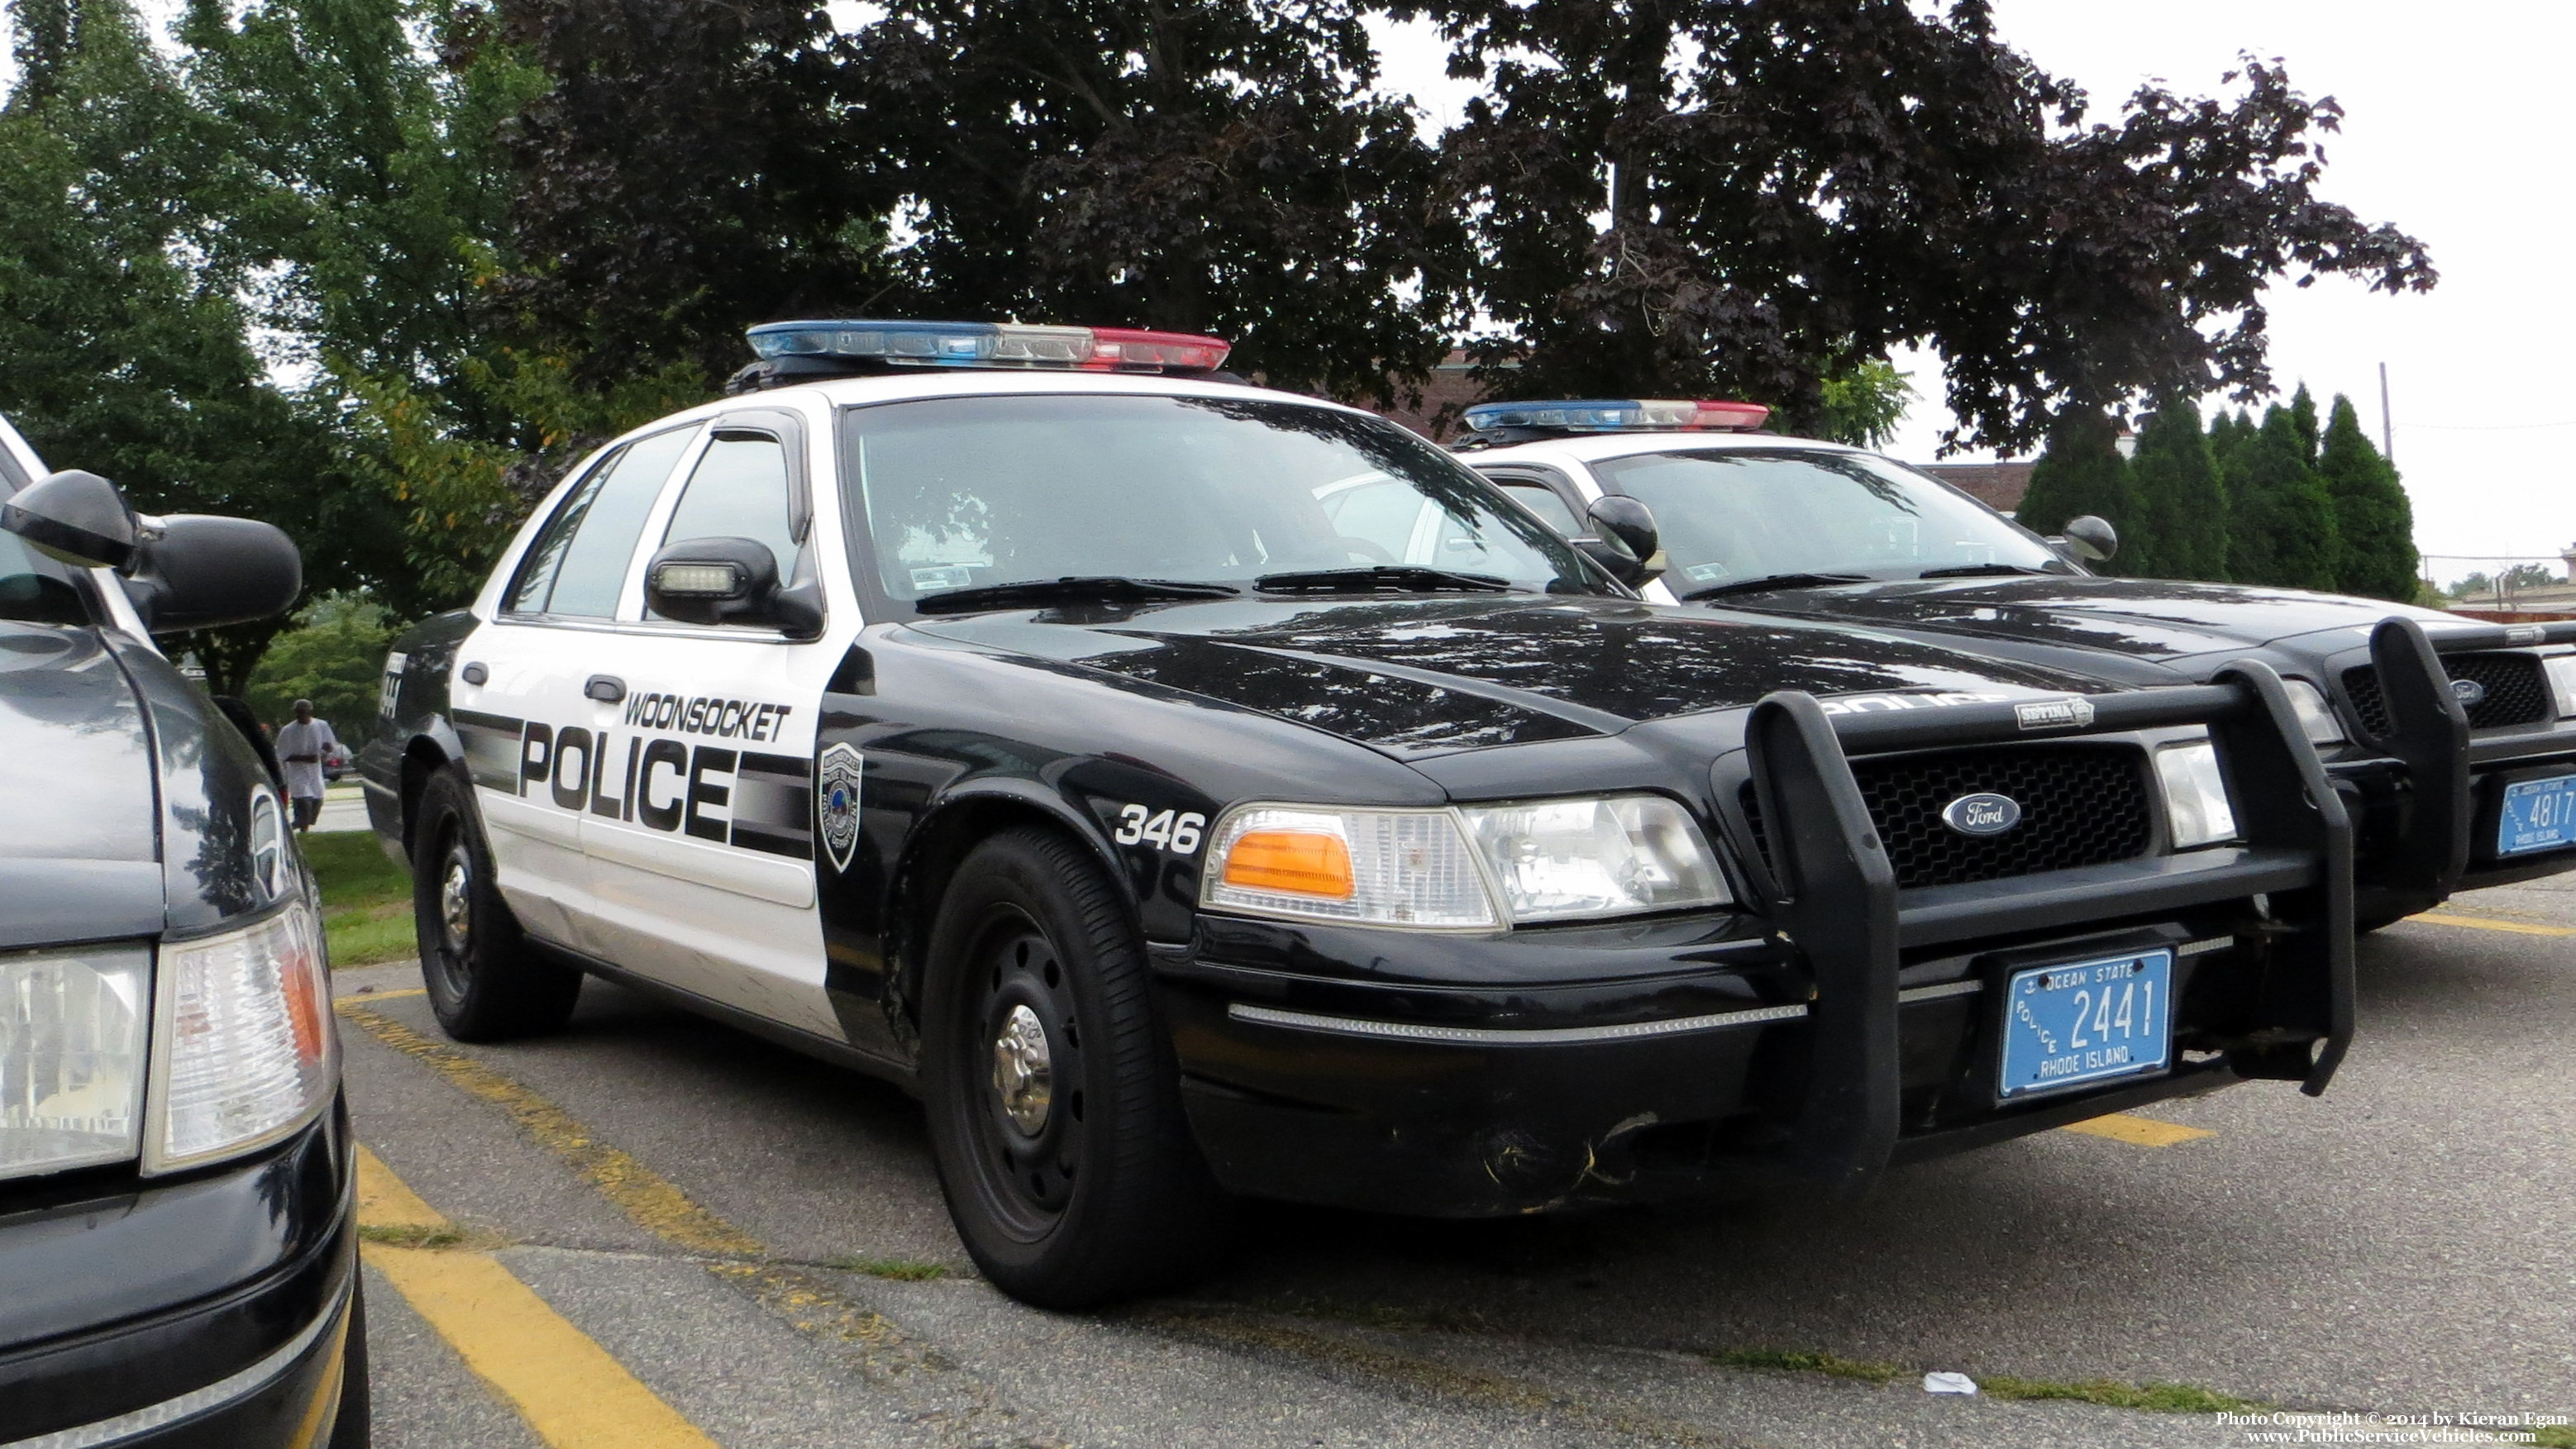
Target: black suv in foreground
[(178, 1264), (1190, 789)]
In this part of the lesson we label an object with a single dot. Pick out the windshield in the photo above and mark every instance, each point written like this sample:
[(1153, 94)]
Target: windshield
[(1733, 514), (33, 588), (961, 493)]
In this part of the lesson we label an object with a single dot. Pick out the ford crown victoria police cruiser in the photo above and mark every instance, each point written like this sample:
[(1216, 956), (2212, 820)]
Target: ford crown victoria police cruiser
[(178, 1256), (1194, 790), (2456, 739)]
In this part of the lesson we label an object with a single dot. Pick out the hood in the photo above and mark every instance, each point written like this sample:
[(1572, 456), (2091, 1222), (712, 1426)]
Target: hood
[(79, 859), (2148, 619), (1418, 677)]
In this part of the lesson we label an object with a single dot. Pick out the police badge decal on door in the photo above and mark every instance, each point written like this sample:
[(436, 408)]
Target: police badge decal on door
[(836, 802)]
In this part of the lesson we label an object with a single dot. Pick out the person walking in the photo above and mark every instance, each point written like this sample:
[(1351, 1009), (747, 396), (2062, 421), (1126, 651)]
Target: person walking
[(302, 744)]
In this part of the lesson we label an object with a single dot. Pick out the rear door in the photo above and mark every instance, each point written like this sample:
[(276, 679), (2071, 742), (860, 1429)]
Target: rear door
[(517, 692), (702, 844)]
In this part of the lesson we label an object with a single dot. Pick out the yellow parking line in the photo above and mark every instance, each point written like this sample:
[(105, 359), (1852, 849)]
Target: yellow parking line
[(2138, 1131), (2476, 923), (567, 1388)]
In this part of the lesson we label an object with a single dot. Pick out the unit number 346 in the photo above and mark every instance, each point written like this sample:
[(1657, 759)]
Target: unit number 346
[(1163, 831)]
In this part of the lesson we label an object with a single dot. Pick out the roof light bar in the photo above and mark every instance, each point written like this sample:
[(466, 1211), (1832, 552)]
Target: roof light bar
[(1620, 415), (991, 344)]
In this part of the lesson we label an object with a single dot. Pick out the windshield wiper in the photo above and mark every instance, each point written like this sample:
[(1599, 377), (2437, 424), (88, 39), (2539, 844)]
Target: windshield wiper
[(1768, 582), (1969, 571), (1382, 579), (1087, 588)]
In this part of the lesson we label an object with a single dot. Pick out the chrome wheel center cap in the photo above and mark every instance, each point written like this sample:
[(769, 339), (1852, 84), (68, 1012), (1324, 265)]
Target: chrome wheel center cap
[(455, 908), (1024, 1071)]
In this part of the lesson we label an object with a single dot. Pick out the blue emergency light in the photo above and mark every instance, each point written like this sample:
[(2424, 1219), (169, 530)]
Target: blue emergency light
[(990, 344), (1620, 415)]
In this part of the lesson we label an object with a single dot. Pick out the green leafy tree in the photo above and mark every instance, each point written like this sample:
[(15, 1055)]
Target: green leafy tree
[(1864, 405), (2281, 523), (2179, 506), (2303, 420), (334, 656), (2079, 472), (1745, 197), (2484, 587), (2374, 522)]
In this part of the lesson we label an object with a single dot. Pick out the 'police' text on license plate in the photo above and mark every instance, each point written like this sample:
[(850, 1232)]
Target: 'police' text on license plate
[(2538, 815), (2086, 1021)]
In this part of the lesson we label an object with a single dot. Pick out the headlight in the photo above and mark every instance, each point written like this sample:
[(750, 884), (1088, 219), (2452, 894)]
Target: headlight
[(71, 1057), (2316, 717), (2562, 682), (1478, 868), (244, 1050), (2195, 794), (1562, 860)]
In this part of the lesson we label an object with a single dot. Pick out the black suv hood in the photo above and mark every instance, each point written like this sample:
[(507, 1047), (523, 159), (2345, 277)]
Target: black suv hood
[(2156, 620), (1417, 677)]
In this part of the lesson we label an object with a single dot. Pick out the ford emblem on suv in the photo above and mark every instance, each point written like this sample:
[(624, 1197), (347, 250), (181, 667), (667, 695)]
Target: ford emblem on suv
[(1982, 814), (2469, 692)]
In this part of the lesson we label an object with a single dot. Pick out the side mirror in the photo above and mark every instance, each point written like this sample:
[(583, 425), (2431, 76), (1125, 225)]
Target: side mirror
[(2089, 538), (1626, 541), (728, 581), (204, 572), (76, 518)]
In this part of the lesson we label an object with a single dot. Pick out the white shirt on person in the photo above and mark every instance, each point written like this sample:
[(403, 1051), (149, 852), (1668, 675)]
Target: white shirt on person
[(304, 778)]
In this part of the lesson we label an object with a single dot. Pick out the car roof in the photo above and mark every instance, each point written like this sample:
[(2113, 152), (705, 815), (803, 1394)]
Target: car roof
[(1593, 447), (932, 382)]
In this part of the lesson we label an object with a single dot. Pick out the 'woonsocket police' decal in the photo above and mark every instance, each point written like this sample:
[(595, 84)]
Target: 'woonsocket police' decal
[(742, 798)]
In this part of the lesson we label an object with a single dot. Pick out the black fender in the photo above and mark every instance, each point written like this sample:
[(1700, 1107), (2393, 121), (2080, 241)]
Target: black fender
[(417, 737)]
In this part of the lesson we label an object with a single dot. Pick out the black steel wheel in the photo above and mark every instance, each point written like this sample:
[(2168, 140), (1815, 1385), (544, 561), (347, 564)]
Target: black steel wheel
[(1054, 1103), (485, 983)]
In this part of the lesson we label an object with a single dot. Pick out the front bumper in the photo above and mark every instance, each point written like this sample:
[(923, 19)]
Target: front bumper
[(209, 1311), (1852, 1026)]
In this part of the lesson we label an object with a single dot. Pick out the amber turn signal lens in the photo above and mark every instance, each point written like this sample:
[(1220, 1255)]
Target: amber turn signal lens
[(1300, 862)]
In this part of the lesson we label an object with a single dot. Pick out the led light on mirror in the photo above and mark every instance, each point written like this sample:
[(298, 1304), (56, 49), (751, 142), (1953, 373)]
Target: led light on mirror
[(2316, 717), (1559, 860), (72, 1031), (245, 1049), (1373, 867), (2195, 795)]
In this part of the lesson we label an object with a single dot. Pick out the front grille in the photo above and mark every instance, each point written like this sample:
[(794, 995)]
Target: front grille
[(2517, 692), (2081, 805)]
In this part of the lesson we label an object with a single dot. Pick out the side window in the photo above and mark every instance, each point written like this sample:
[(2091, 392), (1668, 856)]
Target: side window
[(1542, 500), (740, 489), (578, 565), (1378, 511)]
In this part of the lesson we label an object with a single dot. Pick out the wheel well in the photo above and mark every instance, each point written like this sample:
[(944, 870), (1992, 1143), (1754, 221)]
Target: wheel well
[(421, 759), (923, 879)]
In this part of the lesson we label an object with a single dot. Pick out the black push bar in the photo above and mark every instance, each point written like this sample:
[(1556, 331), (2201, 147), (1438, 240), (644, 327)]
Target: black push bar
[(2428, 732), (1833, 891)]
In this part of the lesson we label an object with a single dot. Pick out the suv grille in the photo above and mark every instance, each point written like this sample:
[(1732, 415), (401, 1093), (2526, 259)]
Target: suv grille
[(2517, 691), (2081, 805)]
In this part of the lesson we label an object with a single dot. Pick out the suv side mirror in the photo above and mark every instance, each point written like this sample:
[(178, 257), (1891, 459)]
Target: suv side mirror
[(187, 571), (728, 581), (1625, 541), (2089, 538)]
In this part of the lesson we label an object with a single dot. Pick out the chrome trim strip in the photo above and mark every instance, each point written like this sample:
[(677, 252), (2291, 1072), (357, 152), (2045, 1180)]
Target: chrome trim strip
[(1941, 992), (223, 1392), (1502, 1036), (2203, 948)]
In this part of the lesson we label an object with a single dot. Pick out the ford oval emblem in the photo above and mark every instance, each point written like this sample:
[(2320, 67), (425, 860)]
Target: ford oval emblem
[(2468, 692), (1982, 814)]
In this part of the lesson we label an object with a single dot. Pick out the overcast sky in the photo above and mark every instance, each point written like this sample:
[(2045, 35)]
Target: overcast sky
[(2455, 132)]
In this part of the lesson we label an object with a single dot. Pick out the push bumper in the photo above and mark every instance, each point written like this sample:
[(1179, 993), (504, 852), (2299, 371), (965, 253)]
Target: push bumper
[(210, 1311), (1852, 1029)]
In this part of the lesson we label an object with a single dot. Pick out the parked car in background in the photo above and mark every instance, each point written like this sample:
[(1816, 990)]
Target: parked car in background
[(2456, 740)]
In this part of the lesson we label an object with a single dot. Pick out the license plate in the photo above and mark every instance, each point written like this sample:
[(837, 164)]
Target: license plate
[(2538, 815), (2087, 1021)]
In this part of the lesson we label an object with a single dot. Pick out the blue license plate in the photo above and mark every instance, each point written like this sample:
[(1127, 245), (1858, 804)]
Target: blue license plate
[(2538, 815), (2087, 1021)]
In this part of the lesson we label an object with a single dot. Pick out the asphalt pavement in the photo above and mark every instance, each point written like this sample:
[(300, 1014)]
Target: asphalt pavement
[(653, 1230)]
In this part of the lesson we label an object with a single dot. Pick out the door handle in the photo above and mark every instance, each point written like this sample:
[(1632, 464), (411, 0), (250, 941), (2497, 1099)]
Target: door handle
[(475, 673), (606, 688)]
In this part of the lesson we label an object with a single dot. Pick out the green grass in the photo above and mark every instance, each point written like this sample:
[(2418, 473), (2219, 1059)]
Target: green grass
[(366, 899), (1798, 1361), (2111, 1393), (902, 1270), (411, 1236)]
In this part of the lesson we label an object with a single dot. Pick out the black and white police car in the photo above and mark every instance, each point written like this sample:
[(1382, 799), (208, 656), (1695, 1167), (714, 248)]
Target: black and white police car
[(1190, 789), (178, 1255), (2457, 739)]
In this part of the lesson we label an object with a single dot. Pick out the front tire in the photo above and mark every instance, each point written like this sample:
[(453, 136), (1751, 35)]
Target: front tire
[(1054, 1101), (485, 982)]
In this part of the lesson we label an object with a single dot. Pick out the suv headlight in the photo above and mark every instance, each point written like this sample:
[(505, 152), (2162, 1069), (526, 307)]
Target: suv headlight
[(2562, 682), (1471, 868), (2316, 717), (72, 1057), (243, 1048), (2195, 794)]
